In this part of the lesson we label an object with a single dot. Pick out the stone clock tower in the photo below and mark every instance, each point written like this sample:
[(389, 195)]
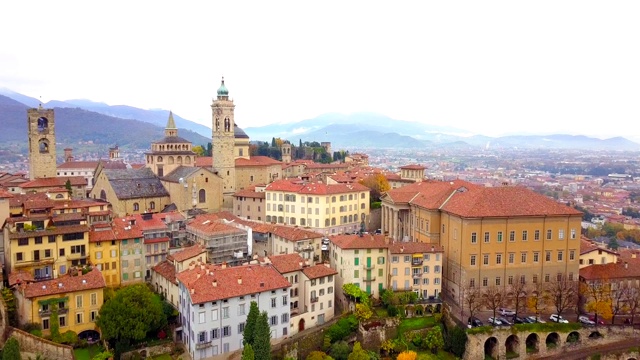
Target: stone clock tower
[(223, 142), (42, 143)]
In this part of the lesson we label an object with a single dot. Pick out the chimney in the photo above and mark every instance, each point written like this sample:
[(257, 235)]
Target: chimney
[(262, 284), (214, 283), (132, 222), (192, 265), (626, 265), (433, 248), (402, 249), (239, 280), (192, 291), (224, 265), (198, 275)]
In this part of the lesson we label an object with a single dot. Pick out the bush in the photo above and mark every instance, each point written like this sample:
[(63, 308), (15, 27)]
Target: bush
[(340, 350), (69, 337), (392, 310), (36, 332), (456, 341), (342, 328)]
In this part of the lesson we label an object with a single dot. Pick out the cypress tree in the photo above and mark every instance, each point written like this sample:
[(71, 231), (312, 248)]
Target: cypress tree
[(250, 326), (247, 353), (262, 341), (11, 350)]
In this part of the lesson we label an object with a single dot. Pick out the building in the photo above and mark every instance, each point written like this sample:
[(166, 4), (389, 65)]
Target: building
[(224, 240), (157, 239), (75, 298), (194, 188), (215, 301), (41, 132), (170, 152), (490, 236), (296, 240), (359, 260), (591, 254), (327, 208), (78, 186), (163, 275), (250, 203), (312, 291), (416, 267)]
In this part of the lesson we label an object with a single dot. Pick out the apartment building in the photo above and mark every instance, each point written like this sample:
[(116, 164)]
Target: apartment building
[(327, 208), (75, 298), (592, 254), (361, 260), (290, 239), (225, 240), (156, 241), (250, 203), (215, 301), (416, 267), (312, 291), (163, 275), (490, 236)]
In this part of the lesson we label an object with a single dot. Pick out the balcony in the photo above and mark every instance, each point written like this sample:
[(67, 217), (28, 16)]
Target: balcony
[(27, 263), (369, 279), (303, 248), (202, 345), (368, 267), (46, 313), (416, 275), (416, 262), (77, 256), (314, 299)]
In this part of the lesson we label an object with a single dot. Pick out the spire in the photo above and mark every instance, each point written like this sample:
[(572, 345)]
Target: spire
[(171, 129), (222, 90)]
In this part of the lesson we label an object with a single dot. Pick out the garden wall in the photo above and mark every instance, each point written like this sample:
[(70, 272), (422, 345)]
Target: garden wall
[(149, 351), (31, 345), (372, 334)]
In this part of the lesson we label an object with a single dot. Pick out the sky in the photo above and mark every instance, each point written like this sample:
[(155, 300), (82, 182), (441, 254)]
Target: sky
[(485, 67)]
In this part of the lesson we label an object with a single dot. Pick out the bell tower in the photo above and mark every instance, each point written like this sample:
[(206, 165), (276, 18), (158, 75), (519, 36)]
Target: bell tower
[(42, 143), (223, 143)]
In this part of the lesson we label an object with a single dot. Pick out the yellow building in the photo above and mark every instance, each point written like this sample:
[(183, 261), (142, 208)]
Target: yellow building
[(416, 267), (327, 208), (76, 298), (360, 260), (592, 254), (490, 236), (48, 237)]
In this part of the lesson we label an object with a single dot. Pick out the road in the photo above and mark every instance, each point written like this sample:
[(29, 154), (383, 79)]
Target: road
[(586, 353)]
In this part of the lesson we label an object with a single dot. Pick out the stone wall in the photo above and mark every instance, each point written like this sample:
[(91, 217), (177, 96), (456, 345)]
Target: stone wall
[(149, 351), (374, 333), (31, 345), (375, 220)]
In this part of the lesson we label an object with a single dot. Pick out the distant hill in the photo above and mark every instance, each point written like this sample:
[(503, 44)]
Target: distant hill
[(74, 125), (379, 131)]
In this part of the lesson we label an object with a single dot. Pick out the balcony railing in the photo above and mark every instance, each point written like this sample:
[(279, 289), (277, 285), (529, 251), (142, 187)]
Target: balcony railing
[(25, 263), (416, 262), (80, 255), (369, 279), (314, 299), (303, 248), (45, 313), (417, 275), (369, 267), (202, 345)]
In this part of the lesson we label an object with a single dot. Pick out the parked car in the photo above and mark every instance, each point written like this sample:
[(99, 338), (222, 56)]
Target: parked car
[(557, 318), (504, 321), (585, 320), (519, 320), (593, 318), (506, 312), (474, 322), (535, 319), (494, 322)]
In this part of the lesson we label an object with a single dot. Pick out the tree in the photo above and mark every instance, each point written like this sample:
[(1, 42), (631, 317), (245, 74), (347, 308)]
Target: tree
[(248, 335), (105, 355), (632, 301), (537, 298), (493, 298), (199, 150), (518, 292), (67, 185), (472, 300), (618, 301), (563, 293), (407, 355), (262, 338), (434, 340), (247, 353), (131, 314), (456, 341), (363, 312), (597, 297), (10, 302), (318, 355), (378, 185), (340, 350), (613, 244), (358, 353), (11, 350)]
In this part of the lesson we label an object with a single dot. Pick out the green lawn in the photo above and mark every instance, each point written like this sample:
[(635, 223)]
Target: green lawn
[(88, 352), (415, 323)]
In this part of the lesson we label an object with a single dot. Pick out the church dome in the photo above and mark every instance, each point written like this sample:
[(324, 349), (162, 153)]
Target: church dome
[(239, 133), (222, 90)]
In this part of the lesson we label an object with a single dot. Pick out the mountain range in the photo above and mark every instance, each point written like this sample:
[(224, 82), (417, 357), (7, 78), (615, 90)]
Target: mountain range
[(84, 120)]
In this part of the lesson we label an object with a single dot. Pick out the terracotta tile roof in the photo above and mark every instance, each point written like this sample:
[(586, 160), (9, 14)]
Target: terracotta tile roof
[(413, 247), (504, 201), (55, 182), (413, 167), (622, 270), (170, 216), (67, 229), (157, 240), (318, 271), (91, 280), (292, 233), (314, 188), (166, 269), (19, 199), (204, 161), (4, 194), (98, 235), (257, 161), (124, 229), (214, 283), (367, 241), (153, 223), (587, 246), (189, 252), (250, 193), (211, 224), (286, 263), (72, 165), (19, 277), (426, 194)]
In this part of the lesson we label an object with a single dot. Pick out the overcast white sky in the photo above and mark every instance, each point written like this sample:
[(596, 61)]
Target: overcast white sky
[(488, 67)]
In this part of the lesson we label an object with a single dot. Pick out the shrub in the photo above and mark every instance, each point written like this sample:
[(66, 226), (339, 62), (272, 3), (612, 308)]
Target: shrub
[(342, 328), (456, 341), (340, 350), (392, 310)]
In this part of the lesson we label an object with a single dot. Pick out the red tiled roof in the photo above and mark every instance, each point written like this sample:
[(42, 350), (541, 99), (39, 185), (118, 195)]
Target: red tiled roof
[(413, 167), (72, 165), (92, 280), (314, 188), (189, 252), (413, 247), (249, 193), (318, 271), (211, 224), (19, 277), (230, 282), (587, 246), (292, 233), (157, 240), (367, 241), (154, 223), (166, 269), (4, 194), (621, 270), (287, 263), (256, 161), (204, 161), (55, 182)]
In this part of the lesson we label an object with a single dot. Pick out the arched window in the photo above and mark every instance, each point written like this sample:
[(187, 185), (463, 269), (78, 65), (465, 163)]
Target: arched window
[(136, 207), (202, 196), (43, 124), (268, 218), (43, 146), (179, 159), (170, 160), (159, 158), (59, 196), (303, 221), (333, 199), (103, 195), (280, 219), (326, 222), (187, 160), (152, 205), (333, 221)]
